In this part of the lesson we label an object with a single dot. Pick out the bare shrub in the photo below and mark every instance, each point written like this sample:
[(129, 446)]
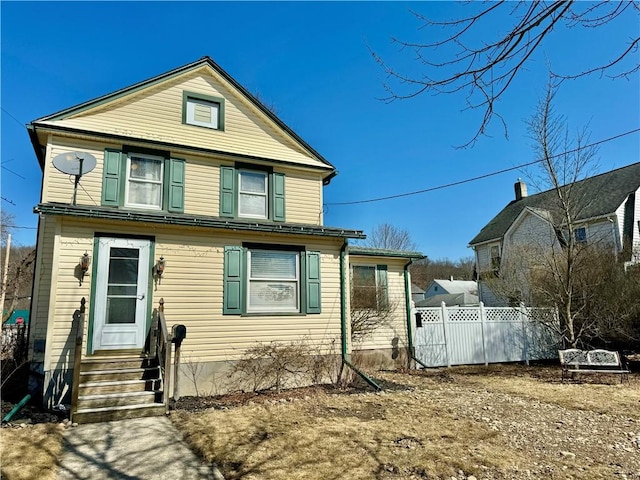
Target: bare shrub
[(273, 365)]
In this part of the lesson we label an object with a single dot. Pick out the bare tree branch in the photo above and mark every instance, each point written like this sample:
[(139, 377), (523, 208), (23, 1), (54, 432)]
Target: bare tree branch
[(458, 61)]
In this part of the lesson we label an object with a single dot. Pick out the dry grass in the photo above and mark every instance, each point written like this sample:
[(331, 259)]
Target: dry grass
[(597, 393), (492, 423), (31, 452)]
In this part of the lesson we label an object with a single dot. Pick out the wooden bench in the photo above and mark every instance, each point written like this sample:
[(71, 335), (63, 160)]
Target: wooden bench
[(574, 361)]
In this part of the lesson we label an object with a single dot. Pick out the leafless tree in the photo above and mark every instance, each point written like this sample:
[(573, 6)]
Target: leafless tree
[(424, 271), (557, 267), (371, 309), (484, 66), (389, 237)]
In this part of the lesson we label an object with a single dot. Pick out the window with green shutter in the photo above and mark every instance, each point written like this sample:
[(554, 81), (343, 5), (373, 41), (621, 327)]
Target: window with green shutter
[(261, 279), (143, 181), (252, 192)]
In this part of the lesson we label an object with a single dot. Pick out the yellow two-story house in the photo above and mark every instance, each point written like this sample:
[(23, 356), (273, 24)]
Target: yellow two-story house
[(185, 188)]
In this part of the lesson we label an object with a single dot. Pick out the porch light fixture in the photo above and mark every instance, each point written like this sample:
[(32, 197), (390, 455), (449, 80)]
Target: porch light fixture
[(85, 261), (159, 268)]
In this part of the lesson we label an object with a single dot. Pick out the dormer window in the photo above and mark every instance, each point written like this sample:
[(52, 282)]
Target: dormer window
[(203, 111)]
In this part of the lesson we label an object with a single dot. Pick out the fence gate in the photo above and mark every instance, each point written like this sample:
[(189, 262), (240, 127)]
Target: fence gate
[(448, 336)]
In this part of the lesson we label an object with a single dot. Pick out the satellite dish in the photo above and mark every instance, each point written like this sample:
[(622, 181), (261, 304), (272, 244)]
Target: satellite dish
[(75, 163)]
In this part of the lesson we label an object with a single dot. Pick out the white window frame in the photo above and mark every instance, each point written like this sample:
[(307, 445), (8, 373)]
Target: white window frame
[(215, 107), (266, 193), (297, 281), (129, 180)]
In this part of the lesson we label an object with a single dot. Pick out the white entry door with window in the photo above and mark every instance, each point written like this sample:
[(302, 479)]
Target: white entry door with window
[(122, 282)]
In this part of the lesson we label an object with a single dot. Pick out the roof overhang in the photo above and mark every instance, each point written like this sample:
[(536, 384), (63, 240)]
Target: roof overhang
[(106, 213), (380, 252)]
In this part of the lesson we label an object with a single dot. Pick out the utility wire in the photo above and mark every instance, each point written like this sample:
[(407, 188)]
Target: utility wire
[(486, 175), (17, 121)]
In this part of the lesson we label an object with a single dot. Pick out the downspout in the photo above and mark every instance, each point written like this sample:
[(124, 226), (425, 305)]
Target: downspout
[(407, 296), (343, 320)]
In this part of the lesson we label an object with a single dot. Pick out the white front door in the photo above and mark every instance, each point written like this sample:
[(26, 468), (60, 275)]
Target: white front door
[(120, 313)]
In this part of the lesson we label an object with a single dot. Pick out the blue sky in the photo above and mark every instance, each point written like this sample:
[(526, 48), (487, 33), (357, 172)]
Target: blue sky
[(311, 62)]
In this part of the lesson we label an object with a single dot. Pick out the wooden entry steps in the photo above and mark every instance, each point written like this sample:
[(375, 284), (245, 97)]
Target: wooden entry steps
[(115, 387)]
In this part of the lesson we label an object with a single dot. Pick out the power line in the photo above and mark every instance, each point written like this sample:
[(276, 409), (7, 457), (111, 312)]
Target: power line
[(9, 201), (17, 121), (11, 171), (486, 175)]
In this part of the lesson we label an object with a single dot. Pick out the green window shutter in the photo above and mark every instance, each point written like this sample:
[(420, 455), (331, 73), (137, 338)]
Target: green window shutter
[(314, 302), (228, 191), (233, 281), (175, 186), (277, 197), (383, 286), (112, 178)]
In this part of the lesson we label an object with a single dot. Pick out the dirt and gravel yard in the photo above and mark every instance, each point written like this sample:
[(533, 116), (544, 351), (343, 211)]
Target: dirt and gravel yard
[(500, 422)]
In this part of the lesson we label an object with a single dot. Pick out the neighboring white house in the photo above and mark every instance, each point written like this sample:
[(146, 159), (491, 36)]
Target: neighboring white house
[(607, 213), (451, 292)]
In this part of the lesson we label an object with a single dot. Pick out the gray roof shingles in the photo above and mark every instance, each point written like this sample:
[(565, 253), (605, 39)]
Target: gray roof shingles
[(602, 195)]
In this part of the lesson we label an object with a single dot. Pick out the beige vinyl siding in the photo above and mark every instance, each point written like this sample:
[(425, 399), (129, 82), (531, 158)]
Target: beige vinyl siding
[(156, 114), (192, 287), (303, 193), (42, 286), (58, 186), (396, 327)]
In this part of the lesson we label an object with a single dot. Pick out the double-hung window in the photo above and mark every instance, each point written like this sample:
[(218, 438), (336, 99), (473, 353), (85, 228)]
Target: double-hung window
[(271, 279), (249, 191), (253, 194), (369, 289), (144, 178)]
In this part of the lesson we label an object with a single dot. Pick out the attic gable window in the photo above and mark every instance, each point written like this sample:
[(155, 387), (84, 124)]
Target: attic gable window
[(203, 110)]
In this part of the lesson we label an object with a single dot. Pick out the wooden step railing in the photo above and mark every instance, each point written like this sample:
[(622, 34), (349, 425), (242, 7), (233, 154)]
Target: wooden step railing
[(160, 348), (78, 325)]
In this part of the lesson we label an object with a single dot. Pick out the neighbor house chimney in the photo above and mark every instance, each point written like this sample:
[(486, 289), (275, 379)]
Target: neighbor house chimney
[(521, 189)]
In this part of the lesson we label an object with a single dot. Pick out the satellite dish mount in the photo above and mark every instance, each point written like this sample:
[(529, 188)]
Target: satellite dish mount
[(75, 163)]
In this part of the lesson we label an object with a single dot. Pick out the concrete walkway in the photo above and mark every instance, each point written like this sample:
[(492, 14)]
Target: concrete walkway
[(138, 449)]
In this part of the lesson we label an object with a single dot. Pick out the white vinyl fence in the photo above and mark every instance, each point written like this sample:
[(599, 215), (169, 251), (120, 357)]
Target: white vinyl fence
[(471, 335)]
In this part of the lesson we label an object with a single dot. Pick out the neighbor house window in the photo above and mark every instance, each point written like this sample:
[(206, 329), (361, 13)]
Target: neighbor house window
[(369, 287), (252, 194), (273, 281), (495, 257), (580, 234), (203, 110), (143, 187)]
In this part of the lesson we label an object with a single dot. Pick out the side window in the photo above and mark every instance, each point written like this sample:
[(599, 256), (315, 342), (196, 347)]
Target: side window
[(143, 181), (252, 193), (369, 290), (203, 110), (264, 280)]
